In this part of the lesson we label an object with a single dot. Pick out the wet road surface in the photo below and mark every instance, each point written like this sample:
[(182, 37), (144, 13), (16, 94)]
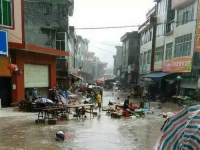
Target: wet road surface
[(100, 133)]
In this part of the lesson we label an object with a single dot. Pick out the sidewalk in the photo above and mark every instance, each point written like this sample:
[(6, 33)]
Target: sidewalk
[(11, 111)]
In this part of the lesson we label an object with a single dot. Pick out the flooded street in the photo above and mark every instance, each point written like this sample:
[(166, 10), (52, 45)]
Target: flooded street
[(100, 133)]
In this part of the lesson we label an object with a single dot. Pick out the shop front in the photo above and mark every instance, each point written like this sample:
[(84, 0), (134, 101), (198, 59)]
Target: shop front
[(5, 75), (35, 70), (5, 82)]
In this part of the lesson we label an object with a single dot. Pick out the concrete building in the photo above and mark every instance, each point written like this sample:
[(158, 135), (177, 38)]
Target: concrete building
[(81, 56), (99, 68), (176, 45), (147, 42), (182, 42), (130, 57), (88, 66), (165, 16), (32, 33), (117, 61)]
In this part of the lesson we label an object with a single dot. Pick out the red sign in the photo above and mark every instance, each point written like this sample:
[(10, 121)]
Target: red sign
[(181, 64), (197, 36), (167, 66)]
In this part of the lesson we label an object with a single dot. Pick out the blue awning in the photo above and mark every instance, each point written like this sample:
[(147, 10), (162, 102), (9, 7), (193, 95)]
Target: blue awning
[(156, 75)]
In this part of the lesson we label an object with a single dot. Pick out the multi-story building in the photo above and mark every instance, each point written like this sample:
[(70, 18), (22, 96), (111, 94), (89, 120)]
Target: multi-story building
[(81, 56), (165, 16), (179, 46), (101, 69), (130, 57), (32, 32), (88, 66), (117, 61), (176, 44), (147, 42)]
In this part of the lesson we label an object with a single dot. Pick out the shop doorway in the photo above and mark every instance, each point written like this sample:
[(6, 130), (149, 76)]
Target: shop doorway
[(5, 91)]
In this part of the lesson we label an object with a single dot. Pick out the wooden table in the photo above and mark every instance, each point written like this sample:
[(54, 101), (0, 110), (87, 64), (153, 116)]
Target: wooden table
[(54, 111)]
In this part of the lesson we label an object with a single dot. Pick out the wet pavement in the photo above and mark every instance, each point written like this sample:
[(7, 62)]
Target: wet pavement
[(100, 133)]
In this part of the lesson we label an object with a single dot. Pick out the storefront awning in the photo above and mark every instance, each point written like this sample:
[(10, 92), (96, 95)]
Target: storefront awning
[(156, 75)]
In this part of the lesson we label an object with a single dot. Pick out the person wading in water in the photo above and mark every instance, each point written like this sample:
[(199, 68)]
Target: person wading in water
[(99, 101)]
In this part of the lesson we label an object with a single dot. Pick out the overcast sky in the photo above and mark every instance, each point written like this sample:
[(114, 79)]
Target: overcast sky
[(106, 13)]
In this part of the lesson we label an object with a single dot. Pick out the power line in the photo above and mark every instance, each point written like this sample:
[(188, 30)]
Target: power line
[(107, 44), (104, 50), (114, 27), (129, 26)]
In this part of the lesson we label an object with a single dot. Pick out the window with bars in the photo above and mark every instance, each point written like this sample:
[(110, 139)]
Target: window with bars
[(183, 45), (168, 54), (6, 13), (60, 41), (159, 53), (185, 15)]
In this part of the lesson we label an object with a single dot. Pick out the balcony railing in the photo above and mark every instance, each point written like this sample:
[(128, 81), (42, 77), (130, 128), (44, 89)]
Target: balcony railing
[(148, 22), (151, 12)]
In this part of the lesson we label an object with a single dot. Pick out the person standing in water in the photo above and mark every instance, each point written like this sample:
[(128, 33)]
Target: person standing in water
[(99, 101), (34, 94)]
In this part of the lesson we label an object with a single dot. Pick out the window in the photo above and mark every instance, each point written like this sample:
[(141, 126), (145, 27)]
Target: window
[(162, 5), (6, 12), (159, 53), (48, 9), (60, 41), (149, 57), (168, 54), (185, 15), (145, 58), (141, 58), (183, 45), (160, 30), (127, 45), (146, 37)]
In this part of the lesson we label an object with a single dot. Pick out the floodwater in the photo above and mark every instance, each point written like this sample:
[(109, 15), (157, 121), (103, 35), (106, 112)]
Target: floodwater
[(99, 133)]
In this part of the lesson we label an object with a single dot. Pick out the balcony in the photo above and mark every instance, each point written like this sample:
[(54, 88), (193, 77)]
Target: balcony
[(148, 23), (151, 12)]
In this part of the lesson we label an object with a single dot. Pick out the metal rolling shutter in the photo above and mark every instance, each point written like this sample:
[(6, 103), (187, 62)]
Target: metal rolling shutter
[(36, 75)]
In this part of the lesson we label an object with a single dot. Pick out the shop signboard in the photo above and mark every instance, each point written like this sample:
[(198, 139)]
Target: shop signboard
[(197, 36), (144, 69), (3, 43), (167, 66), (183, 64)]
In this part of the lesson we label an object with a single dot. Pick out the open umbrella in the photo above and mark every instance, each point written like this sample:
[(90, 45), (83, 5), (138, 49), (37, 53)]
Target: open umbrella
[(181, 131)]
